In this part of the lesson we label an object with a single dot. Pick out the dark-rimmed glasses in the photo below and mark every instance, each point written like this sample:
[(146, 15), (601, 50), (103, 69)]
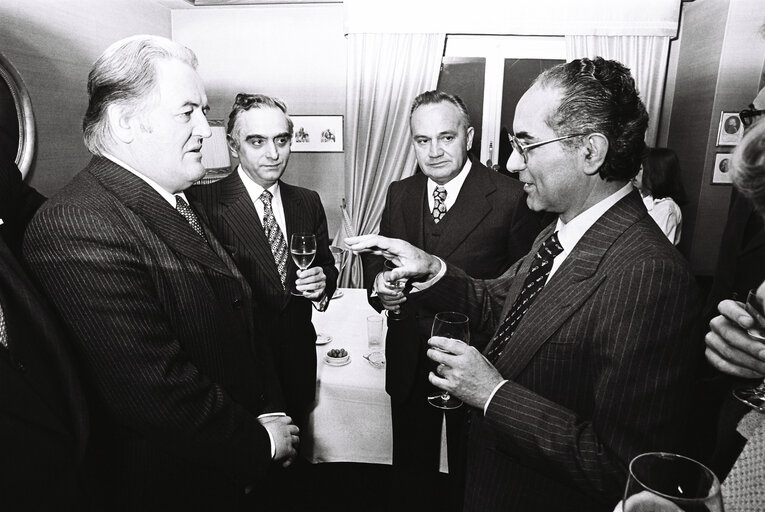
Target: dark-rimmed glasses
[(523, 149), (748, 115)]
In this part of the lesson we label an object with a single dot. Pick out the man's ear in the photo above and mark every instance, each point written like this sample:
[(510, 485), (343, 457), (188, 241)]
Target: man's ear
[(469, 136), (233, 146), (594, 152), (121, 124)]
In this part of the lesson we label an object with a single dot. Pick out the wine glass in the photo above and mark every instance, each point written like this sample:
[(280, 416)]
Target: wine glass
[(398, 284), (340, 254), (665, 482), (754, 397), (456, 326), (303, 251)]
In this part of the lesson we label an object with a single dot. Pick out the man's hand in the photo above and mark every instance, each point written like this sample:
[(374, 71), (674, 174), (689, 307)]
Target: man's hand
[(411, 263), (462, 371), (286, 438), (729, 348), (391, 298), (311, 282)]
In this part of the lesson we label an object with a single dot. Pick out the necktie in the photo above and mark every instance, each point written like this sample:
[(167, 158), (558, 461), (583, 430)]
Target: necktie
[(439, 205), (535, 281), (275, 236), (185, 210), (744, 487), (3, 332)]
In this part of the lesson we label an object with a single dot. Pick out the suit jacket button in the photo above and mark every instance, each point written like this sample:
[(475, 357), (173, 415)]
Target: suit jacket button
[(237, 303), (20, 366), (248, 489)]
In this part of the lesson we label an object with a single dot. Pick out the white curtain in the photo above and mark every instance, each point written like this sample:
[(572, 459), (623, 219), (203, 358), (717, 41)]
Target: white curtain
[(646, 56), (385, 73)]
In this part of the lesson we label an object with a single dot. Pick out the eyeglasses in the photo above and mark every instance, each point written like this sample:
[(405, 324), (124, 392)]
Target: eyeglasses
[(523, 149), (748, 115)]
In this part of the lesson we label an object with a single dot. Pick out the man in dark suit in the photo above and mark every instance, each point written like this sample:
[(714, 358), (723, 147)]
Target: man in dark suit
[(186, 404), (259, 134), (596, 364), (43, 419), (482, 225)]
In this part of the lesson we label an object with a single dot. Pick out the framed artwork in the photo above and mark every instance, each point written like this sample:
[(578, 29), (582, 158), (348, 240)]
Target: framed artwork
[(317, 134), (720, 174), (17, 123), (730, 130)]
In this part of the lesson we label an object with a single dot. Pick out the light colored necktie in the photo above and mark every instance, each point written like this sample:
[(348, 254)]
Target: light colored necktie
[(185, 210), (532, 285), (3, 330), (439, 203), (744, 488), (275, 236)]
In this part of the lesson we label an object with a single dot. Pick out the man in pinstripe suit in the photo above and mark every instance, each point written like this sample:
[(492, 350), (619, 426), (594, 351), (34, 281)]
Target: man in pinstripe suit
[(600, 366), (186, 403)]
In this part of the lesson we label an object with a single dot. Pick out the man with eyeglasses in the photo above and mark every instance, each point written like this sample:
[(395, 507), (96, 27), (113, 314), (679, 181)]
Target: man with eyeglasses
[(591, 362)]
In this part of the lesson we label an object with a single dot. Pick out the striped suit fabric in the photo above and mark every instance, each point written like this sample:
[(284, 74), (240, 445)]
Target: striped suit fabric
[(163, 325), (600, 369)]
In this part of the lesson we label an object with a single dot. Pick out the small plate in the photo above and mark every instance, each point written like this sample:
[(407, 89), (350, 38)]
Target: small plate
[(376, 359), (323, 339), (338, 294), (331, 362)]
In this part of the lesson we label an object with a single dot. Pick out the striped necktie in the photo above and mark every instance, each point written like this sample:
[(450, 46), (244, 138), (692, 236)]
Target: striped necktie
[(439, 203), (275, 236), (532, 285)]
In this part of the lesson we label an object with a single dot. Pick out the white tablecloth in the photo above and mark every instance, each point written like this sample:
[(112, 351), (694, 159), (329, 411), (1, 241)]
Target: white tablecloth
[(351, 420)]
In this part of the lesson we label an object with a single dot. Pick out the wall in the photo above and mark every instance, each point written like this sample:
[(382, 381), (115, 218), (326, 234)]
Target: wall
[(53, 45), (294, 52), (720, 62)]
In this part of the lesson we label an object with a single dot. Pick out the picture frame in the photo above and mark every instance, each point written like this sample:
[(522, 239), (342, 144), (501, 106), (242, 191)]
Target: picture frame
[(730, 130), (17, 122), (317, 134), (720, 173)]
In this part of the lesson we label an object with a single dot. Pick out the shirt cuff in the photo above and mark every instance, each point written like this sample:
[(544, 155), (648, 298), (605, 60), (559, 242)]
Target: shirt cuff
[(427, 284), (493, 392), (270, 437)]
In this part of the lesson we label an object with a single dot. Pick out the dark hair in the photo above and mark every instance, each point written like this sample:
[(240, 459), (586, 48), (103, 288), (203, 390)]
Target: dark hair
[(125, 74), (748, 166), (661, 174), (599, 96), (434, 97), (244, 102)]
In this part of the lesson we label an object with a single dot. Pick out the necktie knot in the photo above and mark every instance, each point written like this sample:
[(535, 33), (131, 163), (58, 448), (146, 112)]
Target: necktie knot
[(439, 203), (265, 197), (184, 209)]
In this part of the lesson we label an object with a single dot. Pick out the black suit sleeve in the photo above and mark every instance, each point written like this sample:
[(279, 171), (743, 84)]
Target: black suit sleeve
[(324, 258), (18, 204)]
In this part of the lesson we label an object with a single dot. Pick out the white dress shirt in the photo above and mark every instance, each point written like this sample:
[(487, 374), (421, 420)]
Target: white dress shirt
[(254, 190), (452, 188)]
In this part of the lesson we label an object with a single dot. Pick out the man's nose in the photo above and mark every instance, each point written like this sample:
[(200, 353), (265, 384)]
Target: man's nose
[(271, 150), (434, 149), (515, 163), (202, 127)]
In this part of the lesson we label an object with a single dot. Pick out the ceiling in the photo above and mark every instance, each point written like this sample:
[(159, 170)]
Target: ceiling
[(189, 4)]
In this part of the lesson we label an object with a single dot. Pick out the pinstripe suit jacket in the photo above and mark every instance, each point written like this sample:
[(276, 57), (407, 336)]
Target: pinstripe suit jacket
[(163, 325), (600, 368), (285, 320)]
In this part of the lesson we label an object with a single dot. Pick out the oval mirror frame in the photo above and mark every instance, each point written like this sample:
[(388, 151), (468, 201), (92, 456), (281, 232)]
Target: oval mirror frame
[(24, 116)]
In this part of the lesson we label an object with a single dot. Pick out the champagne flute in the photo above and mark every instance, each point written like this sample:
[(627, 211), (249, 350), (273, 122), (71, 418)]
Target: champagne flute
[(456, 326), (340, 255), (754, 397), (303, 251), (665, 482)]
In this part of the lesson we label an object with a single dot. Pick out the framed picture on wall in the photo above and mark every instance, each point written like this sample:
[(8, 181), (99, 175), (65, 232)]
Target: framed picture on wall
[(730, 129), (317, 134), (720, 174)]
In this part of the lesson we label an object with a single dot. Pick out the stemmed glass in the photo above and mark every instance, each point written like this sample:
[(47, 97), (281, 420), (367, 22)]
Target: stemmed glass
[(303, 251), (754, 397), (665, 482), (456, 326), (340, 254)]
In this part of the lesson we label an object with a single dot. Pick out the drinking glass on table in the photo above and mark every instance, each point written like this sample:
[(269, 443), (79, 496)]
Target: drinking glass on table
[(303, 251), (398, 285), (754, 397), (665, 482), (456, 326)]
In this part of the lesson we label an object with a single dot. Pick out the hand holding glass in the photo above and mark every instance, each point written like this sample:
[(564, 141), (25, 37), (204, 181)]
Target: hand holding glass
[(397, 285), (303, 251), (456, 326), (754, 397)]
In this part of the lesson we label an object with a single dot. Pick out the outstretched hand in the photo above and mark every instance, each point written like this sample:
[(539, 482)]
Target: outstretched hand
[(411, 263)]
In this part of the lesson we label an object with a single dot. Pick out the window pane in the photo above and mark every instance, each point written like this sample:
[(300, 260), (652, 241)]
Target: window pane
[(464, 76)]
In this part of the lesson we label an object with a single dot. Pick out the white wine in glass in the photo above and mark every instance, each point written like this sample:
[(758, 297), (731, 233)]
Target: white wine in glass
[(456, 326), (303, 251)]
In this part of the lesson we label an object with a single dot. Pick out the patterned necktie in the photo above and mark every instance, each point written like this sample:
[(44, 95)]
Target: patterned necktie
[(535, 281), (439, 204), (744, 487), (275, 236), (185, 210), (3, 331)]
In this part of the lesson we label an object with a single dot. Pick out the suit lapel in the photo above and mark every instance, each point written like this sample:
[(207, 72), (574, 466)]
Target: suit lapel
[(467, 212), (413, 207), (571, 285), (156, 213)]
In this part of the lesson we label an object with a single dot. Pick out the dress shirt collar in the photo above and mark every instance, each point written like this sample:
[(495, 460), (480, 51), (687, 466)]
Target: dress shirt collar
[(570, 233), (170, 198), (453, 187), (254, 190)]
